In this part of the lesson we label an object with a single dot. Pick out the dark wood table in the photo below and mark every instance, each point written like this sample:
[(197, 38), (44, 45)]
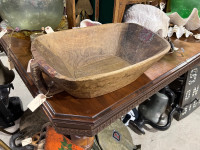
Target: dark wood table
[(86, 117)]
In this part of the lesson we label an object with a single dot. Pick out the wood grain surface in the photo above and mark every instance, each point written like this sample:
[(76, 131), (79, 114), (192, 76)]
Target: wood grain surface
[(71, 13), (96, 10), (190, 46), (86, 117), (84, 5), (97, 60)]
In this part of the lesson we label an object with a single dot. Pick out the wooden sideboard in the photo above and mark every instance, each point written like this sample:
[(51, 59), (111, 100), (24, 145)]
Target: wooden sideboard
[(86, 117)]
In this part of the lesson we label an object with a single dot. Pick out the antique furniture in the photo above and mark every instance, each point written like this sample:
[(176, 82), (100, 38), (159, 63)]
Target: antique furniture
[(118, 10), (96, 10), (110, 61), (71, 12), (120, 6), (84, 118)]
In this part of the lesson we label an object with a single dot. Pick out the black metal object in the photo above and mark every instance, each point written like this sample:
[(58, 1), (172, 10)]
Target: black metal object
[(140, 123), (1, 48), (14, 146), (131, 115), (171, 44), (10, 107), (187, 89), (6, 75), (6, 117), (4, 93)]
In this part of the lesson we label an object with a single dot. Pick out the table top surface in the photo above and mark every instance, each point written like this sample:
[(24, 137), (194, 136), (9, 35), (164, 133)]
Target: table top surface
[(86, 117)]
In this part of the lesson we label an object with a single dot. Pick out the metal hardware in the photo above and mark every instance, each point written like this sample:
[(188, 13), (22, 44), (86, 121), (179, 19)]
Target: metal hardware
[(152, 112)]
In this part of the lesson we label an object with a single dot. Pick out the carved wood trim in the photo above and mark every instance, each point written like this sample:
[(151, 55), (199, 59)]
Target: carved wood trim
[(109, 118)]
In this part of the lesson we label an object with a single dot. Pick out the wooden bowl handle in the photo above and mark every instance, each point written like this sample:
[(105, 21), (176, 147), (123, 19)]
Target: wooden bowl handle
[(38, 78)]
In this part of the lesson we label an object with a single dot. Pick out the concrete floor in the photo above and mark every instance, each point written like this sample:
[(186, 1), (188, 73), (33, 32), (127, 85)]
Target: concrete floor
[(183, 135)]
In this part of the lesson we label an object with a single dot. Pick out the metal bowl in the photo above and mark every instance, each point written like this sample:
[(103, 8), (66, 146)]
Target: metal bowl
[(32, 14)]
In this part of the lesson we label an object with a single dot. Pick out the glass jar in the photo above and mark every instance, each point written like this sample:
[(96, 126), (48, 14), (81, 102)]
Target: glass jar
[(32, 14)]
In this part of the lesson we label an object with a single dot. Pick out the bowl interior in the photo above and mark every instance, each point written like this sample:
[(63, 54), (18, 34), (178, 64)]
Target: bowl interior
[(100, 49)]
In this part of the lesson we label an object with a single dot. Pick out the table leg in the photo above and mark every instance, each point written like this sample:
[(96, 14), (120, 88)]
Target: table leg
[(116, 11), (84, 142), (71, 16), (122, 7), (96, 10)]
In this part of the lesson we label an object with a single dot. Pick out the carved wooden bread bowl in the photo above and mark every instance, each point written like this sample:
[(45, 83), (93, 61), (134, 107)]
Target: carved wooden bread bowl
[(96, 60)]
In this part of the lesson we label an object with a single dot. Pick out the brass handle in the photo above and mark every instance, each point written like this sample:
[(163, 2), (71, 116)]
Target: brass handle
[(4, 146)]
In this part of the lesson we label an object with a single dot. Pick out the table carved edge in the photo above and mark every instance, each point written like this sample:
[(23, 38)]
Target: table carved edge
[(98, 124), (92, 125)]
